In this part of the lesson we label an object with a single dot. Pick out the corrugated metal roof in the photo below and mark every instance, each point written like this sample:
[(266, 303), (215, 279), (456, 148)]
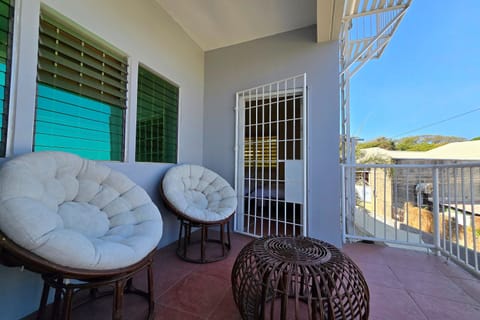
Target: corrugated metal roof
[(466, 150)]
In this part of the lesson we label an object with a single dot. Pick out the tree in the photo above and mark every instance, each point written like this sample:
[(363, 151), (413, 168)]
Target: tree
[(412, 143), (425, 142), (380, 142), (376, 157)]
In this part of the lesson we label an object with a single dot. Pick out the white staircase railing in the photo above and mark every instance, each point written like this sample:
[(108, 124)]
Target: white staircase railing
[(367, 28)]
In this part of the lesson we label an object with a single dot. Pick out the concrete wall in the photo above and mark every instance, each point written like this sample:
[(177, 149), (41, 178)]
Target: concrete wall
[(151, 38), (242, 66), (144, 32), (207, 81)]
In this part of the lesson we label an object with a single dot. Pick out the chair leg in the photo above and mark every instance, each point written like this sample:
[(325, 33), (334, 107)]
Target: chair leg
[(186, 238), (43, 300), (229, 245), (222, 238), (93, 293), (188, 231), (67, 303), (118, 300), (151, 298), (202, 244), (183, 237), (57, 301), (180, 234)]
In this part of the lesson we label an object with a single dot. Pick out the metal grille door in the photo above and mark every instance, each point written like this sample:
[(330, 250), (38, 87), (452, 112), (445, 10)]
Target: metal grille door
[(270, 155)]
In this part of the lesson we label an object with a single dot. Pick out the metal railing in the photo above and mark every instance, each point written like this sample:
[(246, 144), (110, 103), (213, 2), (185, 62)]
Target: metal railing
[(434, 206)]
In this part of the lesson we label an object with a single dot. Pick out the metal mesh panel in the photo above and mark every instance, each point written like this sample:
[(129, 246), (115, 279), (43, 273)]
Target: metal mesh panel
[(271, 145), (157, 119)]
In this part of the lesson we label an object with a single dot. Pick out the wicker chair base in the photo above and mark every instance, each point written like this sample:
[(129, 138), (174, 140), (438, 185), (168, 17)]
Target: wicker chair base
[(121, 284), (59, 278), (185, 242)]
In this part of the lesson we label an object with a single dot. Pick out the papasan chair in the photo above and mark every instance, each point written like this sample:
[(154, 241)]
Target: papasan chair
[(200, 198), (68, 218)]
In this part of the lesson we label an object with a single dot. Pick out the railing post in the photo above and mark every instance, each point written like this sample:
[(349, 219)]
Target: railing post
[(436, 213), (344, 206)]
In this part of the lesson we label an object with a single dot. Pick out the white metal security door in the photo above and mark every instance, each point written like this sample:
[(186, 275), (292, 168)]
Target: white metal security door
[(270, 158)]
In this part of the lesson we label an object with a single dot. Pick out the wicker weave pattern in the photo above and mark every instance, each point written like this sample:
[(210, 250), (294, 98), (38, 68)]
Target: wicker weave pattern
[(279, 277)]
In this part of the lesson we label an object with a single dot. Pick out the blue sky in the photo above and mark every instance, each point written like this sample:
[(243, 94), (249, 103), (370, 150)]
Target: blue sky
[(429, 72)]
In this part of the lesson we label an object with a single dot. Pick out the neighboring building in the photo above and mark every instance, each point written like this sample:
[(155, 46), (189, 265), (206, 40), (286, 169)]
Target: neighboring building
[(450, 153), (415, 185)]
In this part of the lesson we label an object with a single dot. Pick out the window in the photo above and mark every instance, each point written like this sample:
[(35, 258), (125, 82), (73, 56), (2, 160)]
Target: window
[(81, 94), (157, 118), (261, 152), (6, 31)]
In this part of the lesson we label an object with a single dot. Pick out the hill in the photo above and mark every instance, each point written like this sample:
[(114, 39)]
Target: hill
[(413, 143)]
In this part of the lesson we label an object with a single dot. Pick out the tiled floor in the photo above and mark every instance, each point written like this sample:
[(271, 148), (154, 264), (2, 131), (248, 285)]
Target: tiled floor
[(403, 285), (406, 284)]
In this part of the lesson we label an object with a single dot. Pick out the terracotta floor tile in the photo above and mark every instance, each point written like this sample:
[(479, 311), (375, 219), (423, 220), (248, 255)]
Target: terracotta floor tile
[(379, 274), (134, 307), (414, 260), (168, 270), (404, 285), (470, 286), (437, 308), (197, 294), (431, 284), (392, 303), (226, 310), (403, 273), (450, 269), (369, 253), (221, 269), (166, 313)]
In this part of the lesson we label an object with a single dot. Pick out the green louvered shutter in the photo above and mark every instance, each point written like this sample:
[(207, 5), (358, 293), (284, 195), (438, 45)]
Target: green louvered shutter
[(81, 94), (6, 32), (157, 119)]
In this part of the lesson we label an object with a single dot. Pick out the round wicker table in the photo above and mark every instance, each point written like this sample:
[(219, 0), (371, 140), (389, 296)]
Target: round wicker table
[(281, 277)]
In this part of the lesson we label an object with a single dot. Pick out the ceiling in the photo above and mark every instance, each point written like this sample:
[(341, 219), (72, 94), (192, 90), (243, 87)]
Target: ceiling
[(214, 24)]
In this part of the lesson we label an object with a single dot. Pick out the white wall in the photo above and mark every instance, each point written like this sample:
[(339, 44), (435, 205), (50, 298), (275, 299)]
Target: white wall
[(146, 34), (242, 66), (208, 82)]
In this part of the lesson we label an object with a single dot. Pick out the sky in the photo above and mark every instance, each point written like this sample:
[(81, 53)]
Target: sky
[(429, 73)]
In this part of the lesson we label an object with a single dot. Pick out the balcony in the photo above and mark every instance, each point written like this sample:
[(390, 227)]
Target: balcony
[(404, 284), (429, 206)]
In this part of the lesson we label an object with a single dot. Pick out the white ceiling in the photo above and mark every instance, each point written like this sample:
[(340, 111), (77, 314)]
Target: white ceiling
[(214, 24)]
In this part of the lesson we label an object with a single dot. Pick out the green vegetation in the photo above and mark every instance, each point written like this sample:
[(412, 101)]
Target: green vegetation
[(413, 143), (381, 142)]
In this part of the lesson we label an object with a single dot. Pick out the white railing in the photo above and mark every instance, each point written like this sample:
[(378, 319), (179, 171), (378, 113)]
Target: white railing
[(418, 205)]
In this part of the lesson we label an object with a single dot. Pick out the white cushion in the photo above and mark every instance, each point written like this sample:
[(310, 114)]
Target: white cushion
[(76, 212), (199, 193), (84, 218)]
